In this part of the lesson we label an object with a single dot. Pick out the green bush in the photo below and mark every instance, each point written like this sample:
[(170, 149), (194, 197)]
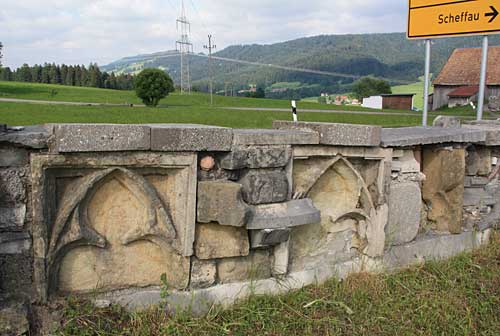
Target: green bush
[(152, 85)]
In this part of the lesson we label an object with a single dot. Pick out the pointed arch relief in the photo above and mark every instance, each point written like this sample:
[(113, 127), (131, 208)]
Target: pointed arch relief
[(350, 221)]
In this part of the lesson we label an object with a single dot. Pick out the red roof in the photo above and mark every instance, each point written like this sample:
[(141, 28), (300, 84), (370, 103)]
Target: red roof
[(463, 67), (465, 91)]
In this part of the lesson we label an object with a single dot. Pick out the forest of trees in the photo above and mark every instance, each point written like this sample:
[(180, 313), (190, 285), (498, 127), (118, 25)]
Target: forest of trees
[(72, 75)]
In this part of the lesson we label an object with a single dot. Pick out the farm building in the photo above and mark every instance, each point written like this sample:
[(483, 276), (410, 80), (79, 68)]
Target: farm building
[(390, 101), (456, 83)]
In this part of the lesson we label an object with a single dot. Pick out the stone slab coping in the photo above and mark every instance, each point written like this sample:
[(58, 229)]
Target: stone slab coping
[(414, 136), (244, 137), (26, 136), (492, 132), (337, 134)]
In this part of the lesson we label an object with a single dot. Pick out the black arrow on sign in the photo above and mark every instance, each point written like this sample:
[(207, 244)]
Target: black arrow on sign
[(493, 14)]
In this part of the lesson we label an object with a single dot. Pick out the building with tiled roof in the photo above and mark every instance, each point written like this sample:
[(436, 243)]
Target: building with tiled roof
[(461, 74)]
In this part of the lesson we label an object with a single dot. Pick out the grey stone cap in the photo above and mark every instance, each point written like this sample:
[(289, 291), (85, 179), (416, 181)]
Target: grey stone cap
[(337, 134), (29, 136), (414, 136), (191, 138), (284, 215), (274, 137), (492, 132)]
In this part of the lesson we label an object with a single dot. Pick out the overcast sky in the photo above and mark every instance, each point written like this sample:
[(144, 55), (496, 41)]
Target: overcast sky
[(84, 31)]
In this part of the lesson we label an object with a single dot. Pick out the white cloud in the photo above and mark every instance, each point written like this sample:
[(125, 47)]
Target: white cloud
[(78, 31)]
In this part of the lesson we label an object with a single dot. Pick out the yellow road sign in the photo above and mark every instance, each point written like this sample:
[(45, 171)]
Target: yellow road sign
[(439, 18)]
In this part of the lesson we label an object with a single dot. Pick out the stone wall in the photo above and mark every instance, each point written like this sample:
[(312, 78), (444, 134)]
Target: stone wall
[(106, 210)]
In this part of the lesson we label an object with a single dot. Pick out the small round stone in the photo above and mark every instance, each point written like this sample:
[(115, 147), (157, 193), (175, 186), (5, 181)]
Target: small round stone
[(207, 163)]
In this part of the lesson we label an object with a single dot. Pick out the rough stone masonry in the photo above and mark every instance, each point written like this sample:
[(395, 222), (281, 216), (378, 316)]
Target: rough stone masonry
[(103, 211)]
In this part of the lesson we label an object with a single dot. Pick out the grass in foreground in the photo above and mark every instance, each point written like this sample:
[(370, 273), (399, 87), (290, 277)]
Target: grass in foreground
[(457, 297)]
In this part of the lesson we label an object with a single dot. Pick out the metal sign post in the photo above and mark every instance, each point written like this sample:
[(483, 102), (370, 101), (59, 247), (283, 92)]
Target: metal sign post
[(427, 80), (482, 81), (294, 111)]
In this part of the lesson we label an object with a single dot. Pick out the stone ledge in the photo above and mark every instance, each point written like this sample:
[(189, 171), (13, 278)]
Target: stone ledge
[(31, 137), (75, 138), (284, 215), (244, 137), (415, 136), (492, 132), (190, 138), (337, 134)]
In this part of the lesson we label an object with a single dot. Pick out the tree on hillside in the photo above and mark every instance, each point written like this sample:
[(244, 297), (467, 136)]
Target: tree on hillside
[(151, 85), (369, 86), (1, 55)]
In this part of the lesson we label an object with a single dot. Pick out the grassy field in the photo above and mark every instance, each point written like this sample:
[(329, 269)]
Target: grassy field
[(457, 297), (417, 88), (176, 108)]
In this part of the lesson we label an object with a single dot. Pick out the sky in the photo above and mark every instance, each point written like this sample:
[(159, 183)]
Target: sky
[(84, 31)]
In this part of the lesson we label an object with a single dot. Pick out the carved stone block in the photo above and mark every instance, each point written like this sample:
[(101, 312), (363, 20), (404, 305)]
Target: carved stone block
[(264, 186), (221, 202), (107, 222), (258, 265)]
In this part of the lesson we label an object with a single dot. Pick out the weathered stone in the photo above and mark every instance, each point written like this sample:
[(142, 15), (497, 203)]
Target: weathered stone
[(134, 254), (443, 188), (14, 242), (12, 217), (116, 221), (476, 181), (432, 247), (12, 186), (478, 161), (494, 104), (406, 163), (256, 157), (284, 215), (3, 128), (203, 273), (215, 241), (405, 206), (268, 237), (68, 138), (13, 157), (190, 138), (255, 266), (14, 320), (31, 136), (413, 136), (447, 122), (477, 197), (274, 137), (221, 202), (492, 130), (263, 186), (281, 258), (337, 134)]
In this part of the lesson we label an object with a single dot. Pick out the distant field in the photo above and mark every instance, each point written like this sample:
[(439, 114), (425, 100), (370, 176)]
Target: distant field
[(176, 108)]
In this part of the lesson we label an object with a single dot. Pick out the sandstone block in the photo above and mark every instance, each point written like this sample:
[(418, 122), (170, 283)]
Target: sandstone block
[(477, 197), (443, 189), (281, 258), (68, 138), (256, 157), (405, 207), (478, 161), (221, 202), (337, 134), (203, 273), (215, 241), (284, 215), (263, 186), (190, 138), (255, 266), (13, 157), (14, 242), (476, 181)]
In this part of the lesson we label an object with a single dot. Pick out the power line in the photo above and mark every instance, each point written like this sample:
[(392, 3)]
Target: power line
[(185, 48), (210, 47)]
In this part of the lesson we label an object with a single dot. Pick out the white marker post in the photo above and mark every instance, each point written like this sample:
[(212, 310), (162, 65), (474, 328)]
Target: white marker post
[(294, 111), (427, 80), (482, 84)]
